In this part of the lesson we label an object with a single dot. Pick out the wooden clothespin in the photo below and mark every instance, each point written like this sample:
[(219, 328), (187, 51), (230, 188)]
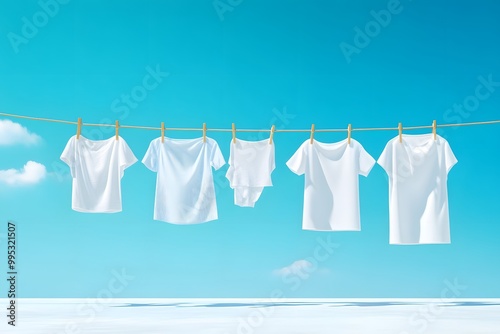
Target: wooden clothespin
[(234, 133), (204, 132), (162, 132), (400, 128), (312, 134), (79, 128), (434, 129), (349, 129), (273, 128), (117, 127)]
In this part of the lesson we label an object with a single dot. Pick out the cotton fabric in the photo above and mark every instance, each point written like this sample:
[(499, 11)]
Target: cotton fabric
[(418, 195), (97, 167), (185, 192), (251, 164), (331, 194)]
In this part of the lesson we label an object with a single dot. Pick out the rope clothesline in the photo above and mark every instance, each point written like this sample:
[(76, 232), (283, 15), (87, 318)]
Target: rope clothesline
[(250, 130)]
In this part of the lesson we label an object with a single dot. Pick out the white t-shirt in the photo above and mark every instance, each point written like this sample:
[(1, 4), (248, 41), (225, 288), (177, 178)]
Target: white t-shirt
[(251, 164), (418, 195), (185, 192), (97, 167), (331, 195)]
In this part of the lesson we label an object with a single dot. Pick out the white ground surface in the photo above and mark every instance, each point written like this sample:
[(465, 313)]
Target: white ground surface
[(254, 316)]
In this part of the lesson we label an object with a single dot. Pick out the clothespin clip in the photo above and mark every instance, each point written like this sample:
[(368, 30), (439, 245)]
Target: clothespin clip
[(79, 128), (434, 129), (162, 132), (204, 132), (349, 129), (234, 133), (400, 128), (117, 127), (273, 128), (312, 133)]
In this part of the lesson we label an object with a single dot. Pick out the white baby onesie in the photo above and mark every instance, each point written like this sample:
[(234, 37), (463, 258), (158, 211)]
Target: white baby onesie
[(331, 195), (185, 192), (251, 164), (97, 167), (418, 195)]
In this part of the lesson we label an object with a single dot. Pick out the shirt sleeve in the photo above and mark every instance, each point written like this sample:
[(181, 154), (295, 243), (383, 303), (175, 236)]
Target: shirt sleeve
[(216, 157), (450, 159), (385, 159), (366, 162), (69, 155), (297, 163), (127, 157), (150, 159)]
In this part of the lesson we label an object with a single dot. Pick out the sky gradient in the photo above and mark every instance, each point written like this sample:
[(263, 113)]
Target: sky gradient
[(254, 63)]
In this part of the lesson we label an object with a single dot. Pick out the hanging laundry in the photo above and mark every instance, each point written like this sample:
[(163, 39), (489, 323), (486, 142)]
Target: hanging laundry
[(331, 195), (97, 167), (251, 164), (418, 170), (185, 192)]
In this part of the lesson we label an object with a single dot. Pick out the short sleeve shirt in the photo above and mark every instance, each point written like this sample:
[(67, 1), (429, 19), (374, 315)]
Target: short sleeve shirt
[(331, 194), (185, 192), (418, 170), (97, 167)]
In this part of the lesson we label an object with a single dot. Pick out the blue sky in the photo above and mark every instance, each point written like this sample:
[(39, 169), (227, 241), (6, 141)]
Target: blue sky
[(254, 63)]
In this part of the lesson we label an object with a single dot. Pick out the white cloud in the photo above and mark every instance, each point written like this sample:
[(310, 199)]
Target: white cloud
[(298, 266), (33, 172), (14, 133), (302, 268)]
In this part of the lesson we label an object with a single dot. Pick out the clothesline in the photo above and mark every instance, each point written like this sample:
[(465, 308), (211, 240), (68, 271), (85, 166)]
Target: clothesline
[(97, 170), (185, 189), (251, 130)]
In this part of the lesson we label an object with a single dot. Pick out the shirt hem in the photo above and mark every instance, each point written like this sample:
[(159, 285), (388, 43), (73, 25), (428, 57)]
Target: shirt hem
[(331, 230), (184, 223), (420, 243), (96, 211)]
